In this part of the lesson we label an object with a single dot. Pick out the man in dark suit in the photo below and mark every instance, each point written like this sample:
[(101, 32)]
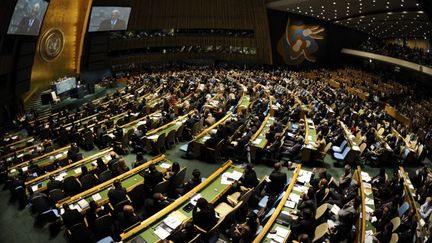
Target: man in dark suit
[(73, 153), (153, 177), (54, 184), (30, 25), (70, 217), (117, 194), (277, 179), (204, 215), (114, 23)]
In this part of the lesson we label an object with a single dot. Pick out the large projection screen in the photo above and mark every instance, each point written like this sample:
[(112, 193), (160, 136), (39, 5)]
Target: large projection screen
[(109, 18), (27, 17)]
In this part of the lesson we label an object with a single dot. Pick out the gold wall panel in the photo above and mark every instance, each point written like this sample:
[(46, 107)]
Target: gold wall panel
[(60, 43)]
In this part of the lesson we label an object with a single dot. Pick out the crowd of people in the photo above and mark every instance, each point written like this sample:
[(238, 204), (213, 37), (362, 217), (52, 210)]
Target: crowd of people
[(293, 101), (416, 55)]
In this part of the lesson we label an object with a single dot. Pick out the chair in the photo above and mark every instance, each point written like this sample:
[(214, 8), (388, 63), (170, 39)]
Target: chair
[(170, 139), (211, 236), (320, 231), (224, 210), (105, 176), (195, 129), (137, 195), (57, 195), (342, 156), (160, 144), (214, 154), (88, 181), (394, 238), (340, 148), (161, 187), (104, 226), (326, 149), (71, 186), (63, 162), (179, 134), (362, 148), (396, 223), (235, 198), (79, 233), (380, 131), (41, 204), (403, 209), (179, 177), (321, 210)]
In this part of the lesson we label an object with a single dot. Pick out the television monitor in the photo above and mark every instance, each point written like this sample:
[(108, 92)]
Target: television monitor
[(65, 84), (109, 18), (27, 17)]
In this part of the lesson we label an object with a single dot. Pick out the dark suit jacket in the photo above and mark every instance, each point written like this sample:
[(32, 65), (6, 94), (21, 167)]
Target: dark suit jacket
[(117, 195), (204, 219), (24, 29), (151, 179), (71, 217), (277, 182), (54, 184), (106, 25)]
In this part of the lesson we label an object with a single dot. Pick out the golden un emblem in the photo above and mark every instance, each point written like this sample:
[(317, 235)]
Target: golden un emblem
[(51, 44)]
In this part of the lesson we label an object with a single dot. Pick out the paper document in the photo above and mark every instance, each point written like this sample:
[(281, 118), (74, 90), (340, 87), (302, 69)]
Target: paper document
[(161, 233), (282, 232), (290, 204), (153, 137), (369, 201), (257, 141), (165, 165), (96, 197), (369, 236), (369, 210), (294, 197), (58, 156), (24, 169), (195, 198), (335, 209), (83, 203), (34, 188), (77, 171), (172, 222), (236, 175)]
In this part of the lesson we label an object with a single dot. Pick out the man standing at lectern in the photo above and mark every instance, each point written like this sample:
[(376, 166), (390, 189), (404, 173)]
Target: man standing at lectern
[(114, 23), (29, 25)]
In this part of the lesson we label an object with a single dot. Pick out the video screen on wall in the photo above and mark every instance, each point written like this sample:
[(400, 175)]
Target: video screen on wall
[(109, 18), (27, 17)]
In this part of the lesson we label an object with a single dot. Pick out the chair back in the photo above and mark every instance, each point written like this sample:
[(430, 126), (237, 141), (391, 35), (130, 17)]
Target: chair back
[(380, 131), (161, 141), (246, 196), (195, 128), (321, 210), (162, 187), (88, 181), (137, 194), (320, 231), (105, 175), (326, 148), (170, 138), (179, 177), (403, 209), (394, 238), (362, 148), (346, 151), (179, 132), (79, 233), (57, 195), (71, 185), (396, 223)]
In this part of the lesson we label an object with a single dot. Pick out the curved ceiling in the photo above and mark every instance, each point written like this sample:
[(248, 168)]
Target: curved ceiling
[(380, 18)]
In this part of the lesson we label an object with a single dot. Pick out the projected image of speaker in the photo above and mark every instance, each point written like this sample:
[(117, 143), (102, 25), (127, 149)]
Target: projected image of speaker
[(27, 17), (109, 18)]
